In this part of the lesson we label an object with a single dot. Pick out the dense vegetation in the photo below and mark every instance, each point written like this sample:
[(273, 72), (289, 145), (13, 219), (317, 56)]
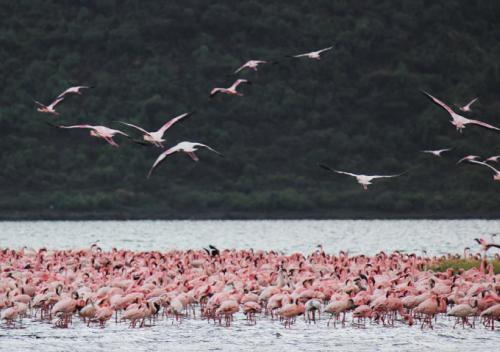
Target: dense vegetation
[(358, 109), (466, 264)]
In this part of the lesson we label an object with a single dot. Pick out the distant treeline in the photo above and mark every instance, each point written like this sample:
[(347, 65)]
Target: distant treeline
[(358, 109)]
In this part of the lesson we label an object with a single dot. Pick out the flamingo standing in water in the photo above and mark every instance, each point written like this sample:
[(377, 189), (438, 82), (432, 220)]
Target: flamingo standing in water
[(466, 108), (156, 138), (103, 132), (363, 180), (339, 307), (187, 147), (231, 90), (310, 308), (491, 314), (457, 120), (49, 109), (10, 315), (314, 54), (462, 312)]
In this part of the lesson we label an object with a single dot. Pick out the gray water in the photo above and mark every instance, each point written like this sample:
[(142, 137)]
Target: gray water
[(368, 237)]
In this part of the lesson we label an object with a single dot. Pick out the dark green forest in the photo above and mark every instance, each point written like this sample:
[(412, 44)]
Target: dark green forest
[(358, 109)]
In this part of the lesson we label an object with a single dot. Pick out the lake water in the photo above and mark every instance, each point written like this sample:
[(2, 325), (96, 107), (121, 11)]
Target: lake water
[(357, 236), (368, 237)]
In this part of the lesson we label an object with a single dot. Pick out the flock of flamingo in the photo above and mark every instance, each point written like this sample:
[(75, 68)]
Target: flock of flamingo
[(58, 286), (140, 288), (156, 138)]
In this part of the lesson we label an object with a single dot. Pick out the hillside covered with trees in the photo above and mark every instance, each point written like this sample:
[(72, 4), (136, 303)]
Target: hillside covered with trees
[(358, 109)]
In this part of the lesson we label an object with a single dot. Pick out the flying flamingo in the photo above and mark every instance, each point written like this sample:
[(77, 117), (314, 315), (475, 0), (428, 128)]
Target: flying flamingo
[(156, 138), (436, 152), (493, 159), (101, 132), (73, 90), (251, 64), (231, 90), (466, 108), (457, 120), (187, 147), (496, 176), (468, 158), (314, 54), (485, 245), (363, 180), (49, 109)]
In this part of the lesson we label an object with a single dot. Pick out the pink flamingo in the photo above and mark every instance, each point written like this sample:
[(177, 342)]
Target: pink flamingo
[(101, 132)]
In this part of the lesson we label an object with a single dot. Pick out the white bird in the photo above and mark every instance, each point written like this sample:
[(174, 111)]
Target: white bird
[(156, 138), (496, 176), (457, 120), (468, 158), (101, 132), (493, 158), (187, 147), (231, 90), (314, 54), (251, 64), (436, 152), (50, 109), (466, 108), (363, 180), (73, 90)]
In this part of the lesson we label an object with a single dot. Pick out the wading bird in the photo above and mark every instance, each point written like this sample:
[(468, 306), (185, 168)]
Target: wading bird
[(466, 108), (363, 180), (100, 132), (187, 147), (231, 90), (496, 176), (73, 90), (156, 138), (457, 120), (314, 54), (493, 159), (251, 64), (49, 109), (485, 245), (468, 158), (436, 152)]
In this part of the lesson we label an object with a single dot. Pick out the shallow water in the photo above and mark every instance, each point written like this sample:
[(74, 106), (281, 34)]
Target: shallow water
[(369, 237)]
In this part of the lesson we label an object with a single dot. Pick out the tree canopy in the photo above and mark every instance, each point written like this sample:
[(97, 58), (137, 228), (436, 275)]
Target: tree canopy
[(357, 109)]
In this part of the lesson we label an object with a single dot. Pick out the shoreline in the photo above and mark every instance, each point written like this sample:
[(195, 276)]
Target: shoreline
[(115, 216)]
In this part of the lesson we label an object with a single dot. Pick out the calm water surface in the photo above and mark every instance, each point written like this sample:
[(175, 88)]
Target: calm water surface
[(369, 237)]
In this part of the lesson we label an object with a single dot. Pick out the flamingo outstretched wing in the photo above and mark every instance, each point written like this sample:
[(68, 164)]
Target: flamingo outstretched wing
[(439, 103), (79, 126), (173, 121), (209, 148), (136, 127), (467, 106), (162, 157), (54, 103), (485, 164), (482, 124)]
